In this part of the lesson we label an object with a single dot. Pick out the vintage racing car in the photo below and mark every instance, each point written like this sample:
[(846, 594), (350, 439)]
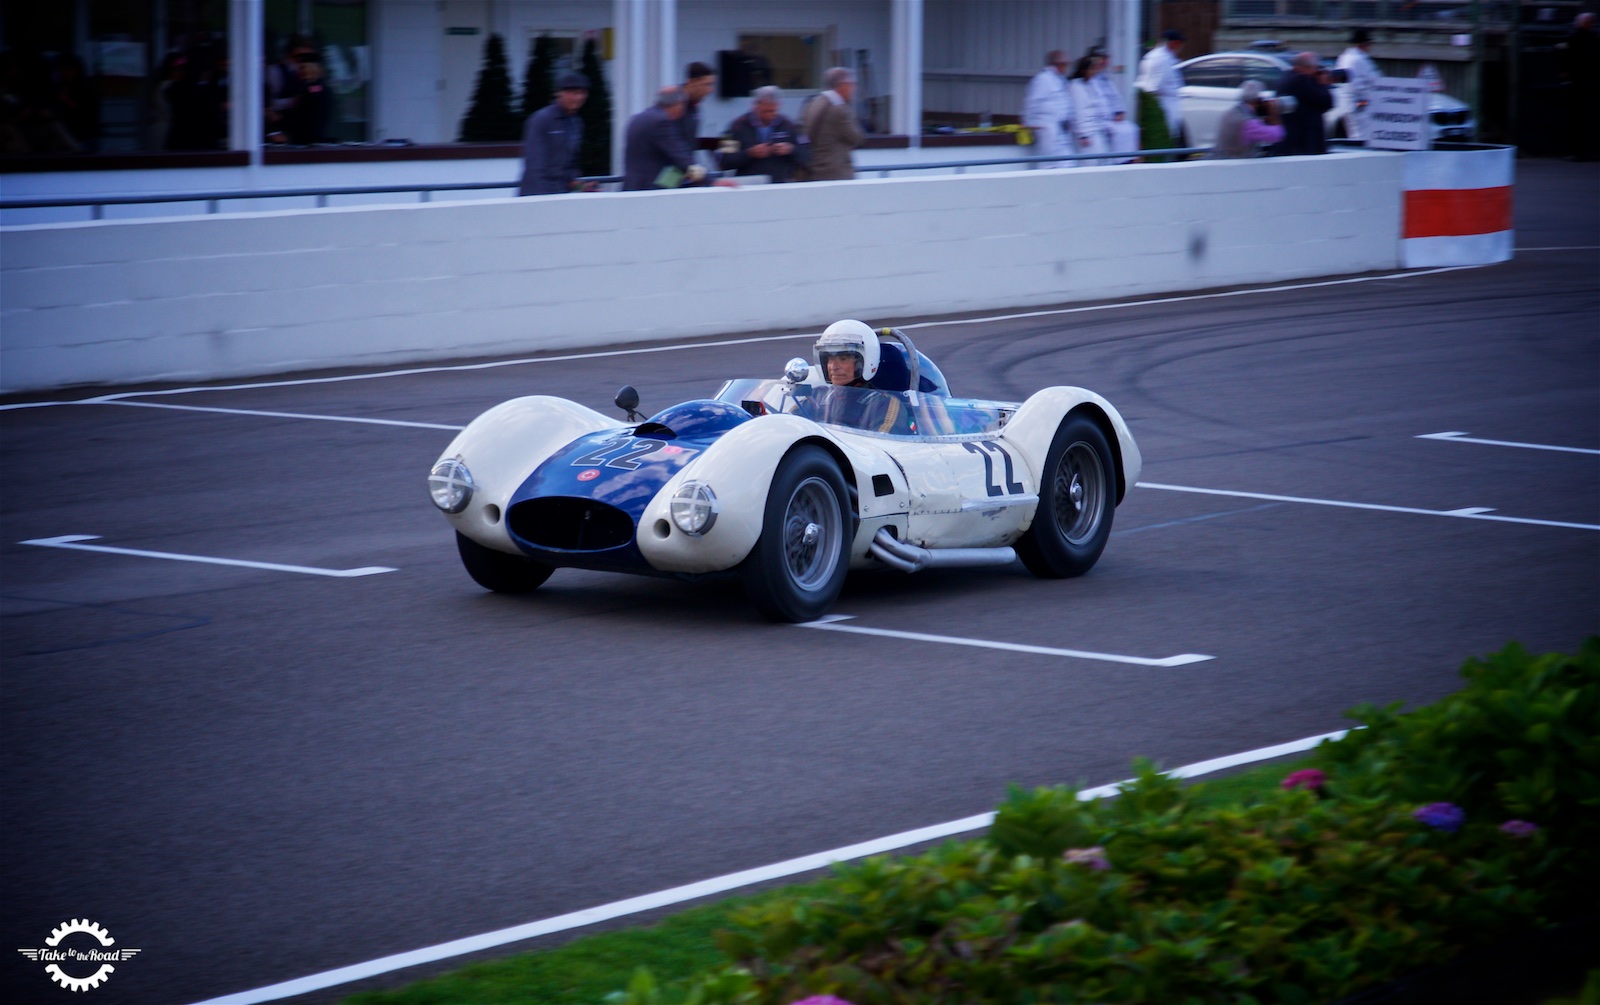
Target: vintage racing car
[(791, 481)]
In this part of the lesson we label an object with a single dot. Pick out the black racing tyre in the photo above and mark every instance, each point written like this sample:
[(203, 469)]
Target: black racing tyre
[(498, 571), (1077, 497), (797, 567)]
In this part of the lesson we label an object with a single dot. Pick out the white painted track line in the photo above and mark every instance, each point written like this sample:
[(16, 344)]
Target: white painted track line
[(707, 887), (280, 415), (830, 623), (74, 542), (1464, 438), (1466, 513)]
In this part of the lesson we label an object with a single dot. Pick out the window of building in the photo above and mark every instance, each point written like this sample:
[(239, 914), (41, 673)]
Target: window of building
[(115, 76), (335, 31), (792, 60)]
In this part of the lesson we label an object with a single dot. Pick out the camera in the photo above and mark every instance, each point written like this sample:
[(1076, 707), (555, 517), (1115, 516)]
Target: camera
[(1338, 76)]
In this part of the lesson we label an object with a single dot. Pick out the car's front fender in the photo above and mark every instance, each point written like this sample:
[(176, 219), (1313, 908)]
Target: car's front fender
[(502, 446), (739, 468)]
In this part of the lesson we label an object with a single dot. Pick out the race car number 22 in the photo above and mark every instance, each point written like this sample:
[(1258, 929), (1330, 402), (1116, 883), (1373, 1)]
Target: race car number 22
[(630, 448), (984, 449)]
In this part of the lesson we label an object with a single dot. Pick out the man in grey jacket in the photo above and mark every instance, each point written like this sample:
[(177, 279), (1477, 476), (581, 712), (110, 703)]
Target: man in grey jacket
[(829, 120), (551, 139)]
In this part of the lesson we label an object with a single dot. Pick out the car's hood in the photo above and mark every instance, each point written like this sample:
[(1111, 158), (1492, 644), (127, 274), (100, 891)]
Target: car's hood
[(621, 470)]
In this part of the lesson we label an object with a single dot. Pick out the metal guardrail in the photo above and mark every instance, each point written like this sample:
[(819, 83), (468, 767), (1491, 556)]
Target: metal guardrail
[(215, 199)]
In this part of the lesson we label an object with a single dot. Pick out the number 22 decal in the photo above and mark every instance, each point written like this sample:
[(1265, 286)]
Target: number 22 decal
[(983, 449), (631, 448)]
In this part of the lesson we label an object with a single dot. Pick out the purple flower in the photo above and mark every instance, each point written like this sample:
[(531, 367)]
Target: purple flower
[(1519, 828), (1309, 778), (1447, 817), (1091, 858), (820, 1000)]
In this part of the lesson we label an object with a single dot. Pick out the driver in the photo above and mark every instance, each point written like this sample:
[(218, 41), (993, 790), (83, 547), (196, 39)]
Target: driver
[(847, 355)]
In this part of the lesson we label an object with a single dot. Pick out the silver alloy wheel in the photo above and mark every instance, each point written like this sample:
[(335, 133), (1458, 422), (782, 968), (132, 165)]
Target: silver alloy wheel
[(811, 532), (1080, 496)]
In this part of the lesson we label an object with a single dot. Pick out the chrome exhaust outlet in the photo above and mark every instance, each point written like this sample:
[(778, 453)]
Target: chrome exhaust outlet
[(897, 554)]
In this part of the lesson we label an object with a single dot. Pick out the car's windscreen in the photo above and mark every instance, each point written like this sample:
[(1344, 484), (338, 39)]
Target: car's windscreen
[(868, 409)]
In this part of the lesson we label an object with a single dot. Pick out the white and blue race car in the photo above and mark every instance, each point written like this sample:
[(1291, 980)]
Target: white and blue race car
[(789, 482)]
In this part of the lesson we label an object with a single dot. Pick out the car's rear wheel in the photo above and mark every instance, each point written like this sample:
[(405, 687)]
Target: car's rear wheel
[(797, 567), (498, 571), (1077, 496)]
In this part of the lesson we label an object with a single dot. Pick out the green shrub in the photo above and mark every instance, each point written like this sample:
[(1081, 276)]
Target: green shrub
[(1394, 856)]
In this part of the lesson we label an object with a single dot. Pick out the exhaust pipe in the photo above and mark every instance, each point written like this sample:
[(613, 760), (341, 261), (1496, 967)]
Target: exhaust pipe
[(897, 554)]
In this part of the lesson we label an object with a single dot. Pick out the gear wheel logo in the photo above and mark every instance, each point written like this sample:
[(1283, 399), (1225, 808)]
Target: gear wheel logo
[(80, 955)]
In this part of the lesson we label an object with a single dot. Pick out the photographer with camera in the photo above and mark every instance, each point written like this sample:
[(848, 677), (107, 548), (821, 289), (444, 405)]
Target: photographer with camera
[(1248, 126), (1308, 84)]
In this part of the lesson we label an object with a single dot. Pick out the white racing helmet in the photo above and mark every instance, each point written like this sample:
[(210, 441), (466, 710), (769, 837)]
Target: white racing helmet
[(852, 337)]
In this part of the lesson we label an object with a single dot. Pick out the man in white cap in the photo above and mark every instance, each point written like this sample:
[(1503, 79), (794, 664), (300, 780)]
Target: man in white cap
[(1159, 75), (1355, 97)]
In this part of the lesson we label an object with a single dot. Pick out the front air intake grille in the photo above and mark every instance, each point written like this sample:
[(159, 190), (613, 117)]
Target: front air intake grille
[(568, 524)]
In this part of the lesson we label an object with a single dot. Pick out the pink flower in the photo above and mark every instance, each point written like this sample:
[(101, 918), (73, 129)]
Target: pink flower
[(820, 1000), (1447, 817), (1090, 858), (1309, 778), (1519, 828)]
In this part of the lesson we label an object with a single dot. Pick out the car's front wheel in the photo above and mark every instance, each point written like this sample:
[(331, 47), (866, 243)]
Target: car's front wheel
[(498, 571), (1077, 495), (797, 567)]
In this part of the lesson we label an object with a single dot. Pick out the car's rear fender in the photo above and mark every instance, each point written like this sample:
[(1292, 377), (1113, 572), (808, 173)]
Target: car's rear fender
[(1034, 426)]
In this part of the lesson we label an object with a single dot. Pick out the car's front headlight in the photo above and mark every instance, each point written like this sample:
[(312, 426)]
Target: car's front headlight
[(450, 485), (694, 508)]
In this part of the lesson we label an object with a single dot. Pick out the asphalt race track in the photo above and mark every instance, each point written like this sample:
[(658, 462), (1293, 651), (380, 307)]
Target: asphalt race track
[(255, 774)]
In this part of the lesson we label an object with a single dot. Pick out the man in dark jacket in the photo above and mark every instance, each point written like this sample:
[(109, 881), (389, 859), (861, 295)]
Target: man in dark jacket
[(763, 141), (551, 139), (1307, 84), (656, 155), (699, 80)]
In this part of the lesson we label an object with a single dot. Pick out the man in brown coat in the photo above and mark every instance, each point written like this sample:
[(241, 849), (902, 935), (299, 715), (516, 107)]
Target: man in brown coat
[(829, 121)]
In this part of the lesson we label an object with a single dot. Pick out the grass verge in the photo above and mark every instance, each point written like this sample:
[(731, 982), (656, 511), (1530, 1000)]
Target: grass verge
[(587, 969)]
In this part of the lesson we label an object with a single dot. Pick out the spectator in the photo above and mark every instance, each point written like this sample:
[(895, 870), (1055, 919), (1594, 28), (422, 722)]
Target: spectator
[(699, 81), (1121, 134), (192, 115), (76, 102), (307, 121), (829, 121), (655, 155), (1580, 78), (1248, 126), (1091, 119), (1307, 84), (29, 122), (283, 85), (1159, 75), (1362, 76), (1047, 108), (552, 138), (764, 141)]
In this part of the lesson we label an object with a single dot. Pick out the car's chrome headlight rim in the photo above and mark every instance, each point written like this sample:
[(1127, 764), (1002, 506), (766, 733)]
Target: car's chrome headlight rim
[(450, 485), (694, 508)]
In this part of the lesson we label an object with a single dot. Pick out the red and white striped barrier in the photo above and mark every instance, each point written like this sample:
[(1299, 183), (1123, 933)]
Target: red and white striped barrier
[(1457, 207)]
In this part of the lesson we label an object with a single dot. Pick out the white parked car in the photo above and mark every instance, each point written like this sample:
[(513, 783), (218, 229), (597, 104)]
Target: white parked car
[(1211, 86)]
